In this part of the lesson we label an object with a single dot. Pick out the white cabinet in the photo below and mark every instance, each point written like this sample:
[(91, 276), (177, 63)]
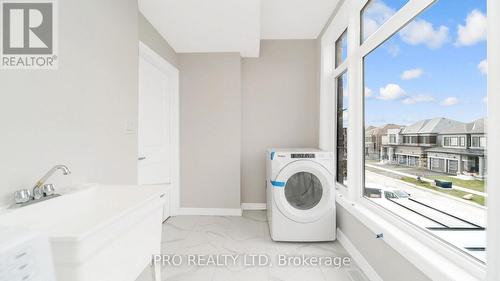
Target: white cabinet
[(24, 256)]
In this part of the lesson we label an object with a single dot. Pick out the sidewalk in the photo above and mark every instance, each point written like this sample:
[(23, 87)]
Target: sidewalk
[(426, 180)]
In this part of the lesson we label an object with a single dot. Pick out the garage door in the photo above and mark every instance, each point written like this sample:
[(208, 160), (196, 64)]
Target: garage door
[(453, 167), (437, 165)]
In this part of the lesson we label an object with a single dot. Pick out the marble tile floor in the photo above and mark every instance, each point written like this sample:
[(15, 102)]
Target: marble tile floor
[(239, 237)]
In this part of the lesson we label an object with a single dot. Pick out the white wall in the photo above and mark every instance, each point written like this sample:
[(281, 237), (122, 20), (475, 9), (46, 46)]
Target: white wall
[(388, 263), (280, 107), (75, 115), (230, 115), (210, 122)]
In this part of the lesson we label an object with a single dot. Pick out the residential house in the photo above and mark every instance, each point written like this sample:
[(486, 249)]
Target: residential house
[(392, 139), (461, 150), (373, 140), (438, 144)]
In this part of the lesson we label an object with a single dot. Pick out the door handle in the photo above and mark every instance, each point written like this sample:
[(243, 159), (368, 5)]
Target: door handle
[(141, 158)]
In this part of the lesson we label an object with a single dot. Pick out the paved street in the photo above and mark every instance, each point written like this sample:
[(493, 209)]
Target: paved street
[(406, 169), (426, 217), (469, 212)]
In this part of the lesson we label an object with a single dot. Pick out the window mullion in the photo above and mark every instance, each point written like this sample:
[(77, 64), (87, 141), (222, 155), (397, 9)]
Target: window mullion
[(400, 19), (355, 131)]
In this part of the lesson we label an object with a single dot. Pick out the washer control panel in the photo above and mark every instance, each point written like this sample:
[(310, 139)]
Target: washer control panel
[(303, 155)]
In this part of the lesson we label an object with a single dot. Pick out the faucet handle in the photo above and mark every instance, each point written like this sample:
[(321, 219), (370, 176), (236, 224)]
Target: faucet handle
[(22, 196), (37, 193), (49, 189)]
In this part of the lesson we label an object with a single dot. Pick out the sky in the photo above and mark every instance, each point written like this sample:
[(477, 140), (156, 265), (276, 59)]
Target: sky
[(434, 67)]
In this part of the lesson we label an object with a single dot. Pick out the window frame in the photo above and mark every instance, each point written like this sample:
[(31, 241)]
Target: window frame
[(493, 104), (329, 73), (476, 139), (417, 245), (454, 141), (483, 142), (392, 139)]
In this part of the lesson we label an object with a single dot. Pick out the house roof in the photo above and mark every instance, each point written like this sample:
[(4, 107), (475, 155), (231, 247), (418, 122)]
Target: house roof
[(374, 131), (431, 126), (477, 126), (474, 127), (370, 128)]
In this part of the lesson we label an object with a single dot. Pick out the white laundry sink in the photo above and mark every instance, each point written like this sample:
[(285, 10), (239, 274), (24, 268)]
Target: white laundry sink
[(100, 233)]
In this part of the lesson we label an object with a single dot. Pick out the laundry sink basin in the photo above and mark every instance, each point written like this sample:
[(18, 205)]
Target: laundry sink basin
[(99, 233)]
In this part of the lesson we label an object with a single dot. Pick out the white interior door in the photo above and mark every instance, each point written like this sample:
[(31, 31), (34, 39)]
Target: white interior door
[(154, 130), (158, 126)]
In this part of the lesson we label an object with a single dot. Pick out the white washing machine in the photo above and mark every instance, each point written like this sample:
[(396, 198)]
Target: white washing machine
[(300, 195)]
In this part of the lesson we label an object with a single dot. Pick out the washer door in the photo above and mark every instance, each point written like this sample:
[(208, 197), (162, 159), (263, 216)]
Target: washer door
[(303, 191)]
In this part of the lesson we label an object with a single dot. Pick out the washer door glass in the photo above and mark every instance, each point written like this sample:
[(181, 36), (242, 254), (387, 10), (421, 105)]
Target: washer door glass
[(303, 190)]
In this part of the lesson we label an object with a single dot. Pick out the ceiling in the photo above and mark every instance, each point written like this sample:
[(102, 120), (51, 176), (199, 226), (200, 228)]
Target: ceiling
[(207, 26), (294, 19)]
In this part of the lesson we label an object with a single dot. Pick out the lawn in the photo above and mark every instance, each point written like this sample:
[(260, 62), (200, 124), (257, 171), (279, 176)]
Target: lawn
[(476, 185), (453, 192)]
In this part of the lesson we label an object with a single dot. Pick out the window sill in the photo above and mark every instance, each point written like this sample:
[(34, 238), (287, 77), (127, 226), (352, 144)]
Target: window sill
[(432, 256)]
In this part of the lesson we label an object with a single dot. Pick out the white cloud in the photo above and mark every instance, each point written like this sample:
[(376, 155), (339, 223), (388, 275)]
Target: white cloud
[(376, 15), (450, 101), (393, 50), (485, 99), (474, 31), (368, 92), (412, 74), (423, 32), (483, 67), (417, 99), (391, 92)]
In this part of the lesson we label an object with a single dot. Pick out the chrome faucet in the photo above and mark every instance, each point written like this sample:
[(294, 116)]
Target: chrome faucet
[(65, 170), (40, 191)]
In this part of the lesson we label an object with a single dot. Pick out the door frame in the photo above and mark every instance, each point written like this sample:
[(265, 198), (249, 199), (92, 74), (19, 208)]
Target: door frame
[(145, 52)]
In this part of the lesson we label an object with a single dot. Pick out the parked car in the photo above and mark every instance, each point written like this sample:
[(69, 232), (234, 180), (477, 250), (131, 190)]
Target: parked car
[(376, 191)]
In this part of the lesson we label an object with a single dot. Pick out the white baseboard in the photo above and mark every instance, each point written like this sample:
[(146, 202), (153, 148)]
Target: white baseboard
[(253, 206), (208, 212), (357, 257)]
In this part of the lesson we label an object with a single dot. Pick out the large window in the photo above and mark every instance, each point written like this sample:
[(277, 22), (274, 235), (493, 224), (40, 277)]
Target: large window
[(478, 142), (342, 125), (429, 79), (392, 139), (429, 140), (454, 141)]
